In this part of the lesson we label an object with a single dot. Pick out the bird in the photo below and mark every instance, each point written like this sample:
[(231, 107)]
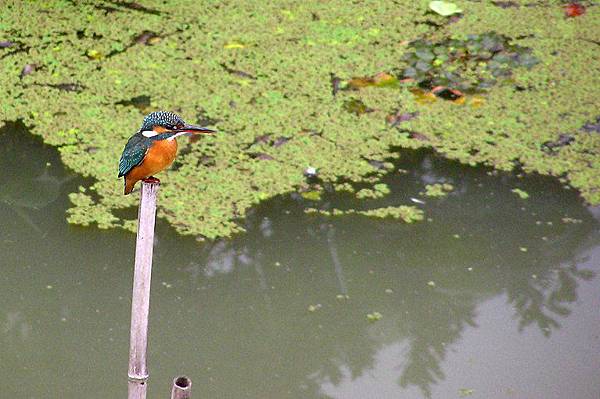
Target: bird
[(153, 147)]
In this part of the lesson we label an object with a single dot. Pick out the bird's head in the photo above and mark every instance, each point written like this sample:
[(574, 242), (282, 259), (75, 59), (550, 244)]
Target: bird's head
[(160, 122)]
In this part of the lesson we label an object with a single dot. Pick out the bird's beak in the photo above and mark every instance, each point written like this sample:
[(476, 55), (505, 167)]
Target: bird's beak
[(193, 129)]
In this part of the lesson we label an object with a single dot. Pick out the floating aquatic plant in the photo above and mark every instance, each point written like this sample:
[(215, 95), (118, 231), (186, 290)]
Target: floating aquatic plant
[(521, 193), (444, 8), (379, 190), (311, 195), (408, 214), (357, 107), (373, 317), (475, 63), (438, 189)]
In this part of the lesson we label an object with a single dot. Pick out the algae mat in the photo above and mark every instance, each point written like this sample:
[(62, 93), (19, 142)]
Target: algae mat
[(82, 75)]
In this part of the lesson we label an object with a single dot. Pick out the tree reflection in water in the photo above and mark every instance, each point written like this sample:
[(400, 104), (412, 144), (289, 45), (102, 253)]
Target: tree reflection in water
[(522, 250), (29, 182)]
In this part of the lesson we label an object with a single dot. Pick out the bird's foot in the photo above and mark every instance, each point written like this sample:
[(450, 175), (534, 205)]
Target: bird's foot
[(151, 179)]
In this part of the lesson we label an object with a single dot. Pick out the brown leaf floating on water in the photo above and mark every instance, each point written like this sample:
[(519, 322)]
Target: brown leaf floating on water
[(378, 80), (447, 92), (147, 37), (279, 141), (262, 156), (27, 70), (418, 136), (398, 117)]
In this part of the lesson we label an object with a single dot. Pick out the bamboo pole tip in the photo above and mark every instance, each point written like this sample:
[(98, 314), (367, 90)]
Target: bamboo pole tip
[(149, 182), (150, 185), (182, 388), (182, 382)]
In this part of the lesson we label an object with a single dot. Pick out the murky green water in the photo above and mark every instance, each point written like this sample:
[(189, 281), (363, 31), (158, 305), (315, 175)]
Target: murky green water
[(495, 294)]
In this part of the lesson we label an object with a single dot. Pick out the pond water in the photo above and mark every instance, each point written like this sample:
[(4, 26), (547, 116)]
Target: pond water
[(493, 297)]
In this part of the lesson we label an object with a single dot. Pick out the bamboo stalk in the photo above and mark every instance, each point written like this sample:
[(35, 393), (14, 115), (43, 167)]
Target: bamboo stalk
[(182, 388), (140, 301)]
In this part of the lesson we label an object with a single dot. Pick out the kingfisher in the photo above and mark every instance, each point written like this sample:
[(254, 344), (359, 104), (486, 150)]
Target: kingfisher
[(153, 147)]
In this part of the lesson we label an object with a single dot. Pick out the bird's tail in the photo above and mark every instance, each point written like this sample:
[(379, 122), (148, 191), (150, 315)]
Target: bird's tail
[(128, 185)]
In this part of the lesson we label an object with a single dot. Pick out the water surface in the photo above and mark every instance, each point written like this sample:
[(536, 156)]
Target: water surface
[(493, 297)]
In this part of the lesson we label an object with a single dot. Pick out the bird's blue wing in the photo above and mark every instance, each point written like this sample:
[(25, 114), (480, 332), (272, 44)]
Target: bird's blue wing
[(133, 154)]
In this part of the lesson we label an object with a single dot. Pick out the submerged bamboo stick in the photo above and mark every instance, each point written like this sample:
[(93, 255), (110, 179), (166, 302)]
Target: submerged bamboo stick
[(182, 388), (140, 301)]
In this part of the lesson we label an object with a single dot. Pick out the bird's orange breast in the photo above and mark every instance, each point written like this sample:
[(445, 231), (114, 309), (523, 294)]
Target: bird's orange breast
[(159, 157)]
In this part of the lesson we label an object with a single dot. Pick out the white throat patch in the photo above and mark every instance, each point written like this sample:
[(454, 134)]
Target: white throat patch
[(173, 137), (149, 133)]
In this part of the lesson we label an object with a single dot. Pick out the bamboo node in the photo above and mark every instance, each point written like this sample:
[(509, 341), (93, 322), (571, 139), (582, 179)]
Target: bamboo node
[(138, 377)]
